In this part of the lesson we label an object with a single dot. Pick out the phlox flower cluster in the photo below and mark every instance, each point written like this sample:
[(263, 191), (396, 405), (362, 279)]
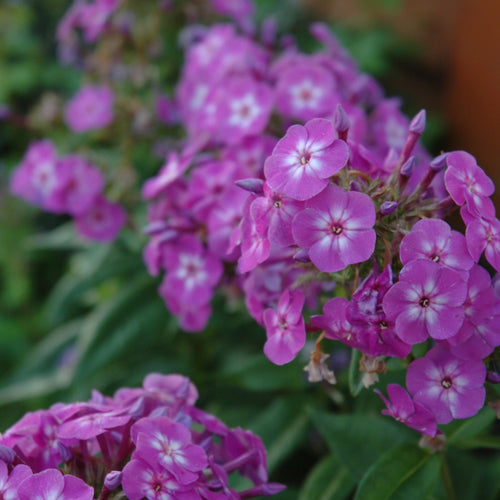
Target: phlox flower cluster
[(150, 442), (68, 185), (345, 208)]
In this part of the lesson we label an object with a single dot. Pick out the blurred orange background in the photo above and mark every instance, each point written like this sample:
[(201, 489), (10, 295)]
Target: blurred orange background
[(458, 64)]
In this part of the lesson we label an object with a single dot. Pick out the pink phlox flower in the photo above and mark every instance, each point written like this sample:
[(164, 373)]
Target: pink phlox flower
[(91, 108), (389, 127), (304, 159), (243, 108), (40, 176), (142, 479), (447, 386), (335, 323), (84, 184), (467, 183), (285, 328), (480, 332), (336, 228), (94, 17), (95, 421), (250, 154), (223, 221), (9, 483), (433, 239), (374, 331), (255, 245), (278, 211), (482, 235), (167, 443), (175, 165), (208, 184), (306, 90), (427, 301), (238, 444), (192, 271), (51, 484), (192, 318), (401, 407), (102, 222)]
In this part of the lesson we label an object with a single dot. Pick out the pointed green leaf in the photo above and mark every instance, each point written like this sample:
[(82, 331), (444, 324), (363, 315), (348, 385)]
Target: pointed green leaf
[(359, 440), (405, 471), (355, 375), (328, 480), (472, 426)]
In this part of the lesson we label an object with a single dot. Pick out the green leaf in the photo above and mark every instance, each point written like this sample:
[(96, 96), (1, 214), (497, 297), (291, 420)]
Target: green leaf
[(405, 470), (472, 426), (328, 480), (359, 440), (355, 375), (283, 426), (257, 373), (99, 265), (100, 333)]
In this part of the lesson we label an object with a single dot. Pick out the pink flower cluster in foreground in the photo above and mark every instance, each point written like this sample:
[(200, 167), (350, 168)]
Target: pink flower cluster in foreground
[(150, 443), (67, 185)]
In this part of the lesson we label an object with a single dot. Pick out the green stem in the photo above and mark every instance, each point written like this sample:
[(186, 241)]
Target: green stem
[(445, 474)]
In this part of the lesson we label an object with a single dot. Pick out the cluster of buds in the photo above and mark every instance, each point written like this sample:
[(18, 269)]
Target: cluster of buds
[(149, 442)]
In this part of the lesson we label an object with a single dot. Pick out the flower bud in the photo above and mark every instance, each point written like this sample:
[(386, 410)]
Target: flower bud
[(252, 185), (341, 122), (7, 454), (388, 207), (113, 479)]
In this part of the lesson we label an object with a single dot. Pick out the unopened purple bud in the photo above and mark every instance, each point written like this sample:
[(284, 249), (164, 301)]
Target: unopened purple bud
[(302, 256), (7, 454), (155, 227), (439, 162), (113, 479), (388, 207), (355, 186), (265, 490), (253, 185), (493, 377), (137, 409), (408, 166), (341, 120), (417, 125), (64, 452)]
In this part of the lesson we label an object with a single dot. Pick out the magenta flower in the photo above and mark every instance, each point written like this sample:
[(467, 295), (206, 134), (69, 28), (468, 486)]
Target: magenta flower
[(336, 228), (304, 159), (427, 301), (85, 183), (402, 408), (51, 484), (447, 386), (102, 222), (144, 480), (467, 183), (173, 168), (40, 176), (305, 90), (285, 328), (243, 108), (433, 239), (161, 441), (192, 272), (481, 235), (91, 108), (10, 482)]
